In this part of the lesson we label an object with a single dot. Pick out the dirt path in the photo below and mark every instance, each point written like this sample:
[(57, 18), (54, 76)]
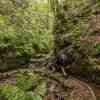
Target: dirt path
[(96, 89)]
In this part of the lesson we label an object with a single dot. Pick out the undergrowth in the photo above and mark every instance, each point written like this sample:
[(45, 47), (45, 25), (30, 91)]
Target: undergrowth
[(28, 86)]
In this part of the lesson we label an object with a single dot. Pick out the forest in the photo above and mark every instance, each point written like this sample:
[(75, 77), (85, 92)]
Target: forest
[(49, 49)]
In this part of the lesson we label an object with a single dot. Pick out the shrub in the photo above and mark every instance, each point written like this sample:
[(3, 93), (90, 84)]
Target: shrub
[(25, 27), (71, 23)]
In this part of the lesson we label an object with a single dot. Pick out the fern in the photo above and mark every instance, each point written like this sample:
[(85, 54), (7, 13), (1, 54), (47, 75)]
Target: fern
[(41, 88), (27, 80), (28, 86), (12, 92)]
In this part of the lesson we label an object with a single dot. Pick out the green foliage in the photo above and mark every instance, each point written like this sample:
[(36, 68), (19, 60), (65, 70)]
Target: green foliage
[(25, 27), (27, 80), (12, 93), (71, 23), (28, 86)]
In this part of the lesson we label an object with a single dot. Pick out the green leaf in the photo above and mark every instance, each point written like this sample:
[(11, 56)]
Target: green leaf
[(37, 97), (41, 88)]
